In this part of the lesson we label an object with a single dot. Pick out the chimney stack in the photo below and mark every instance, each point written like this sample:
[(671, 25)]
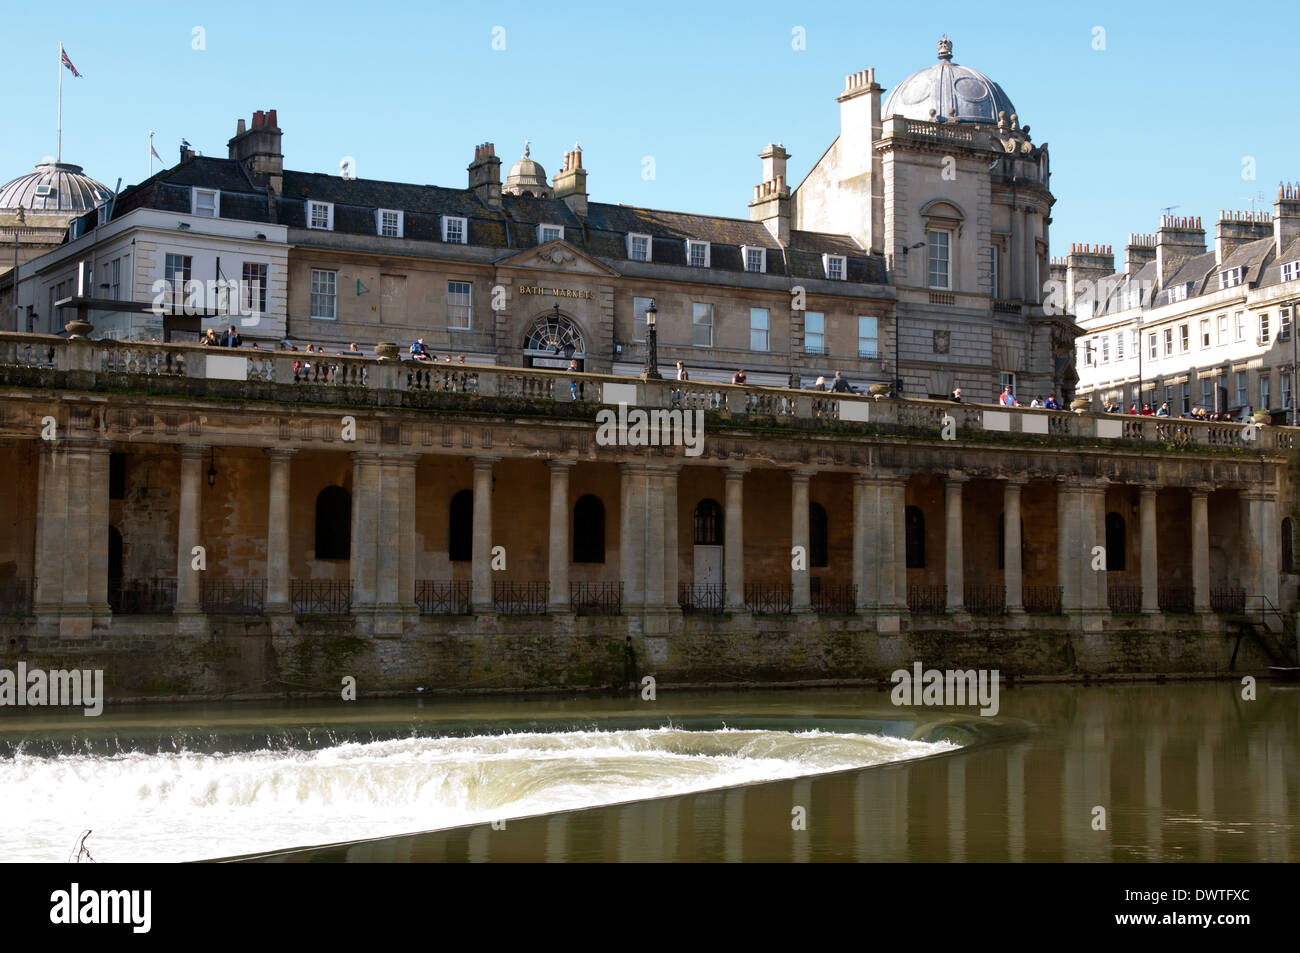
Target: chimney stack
[(1235, 229), (771, 203), (257, 146), (1286, 216), (571, 181), (485, 175), (1088, 263), (1140, 250), (1178, 239), (859, 164)]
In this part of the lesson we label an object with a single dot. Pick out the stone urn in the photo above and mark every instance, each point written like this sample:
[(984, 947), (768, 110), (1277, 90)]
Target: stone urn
[(78, 330), (387, 350), (1262, 417), (878, 390), (1081, 405)]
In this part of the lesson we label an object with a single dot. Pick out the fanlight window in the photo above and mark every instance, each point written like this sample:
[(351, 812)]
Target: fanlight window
[(555, 335)]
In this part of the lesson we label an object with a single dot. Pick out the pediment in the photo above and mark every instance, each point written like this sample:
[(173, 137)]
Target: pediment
[(557, 255)]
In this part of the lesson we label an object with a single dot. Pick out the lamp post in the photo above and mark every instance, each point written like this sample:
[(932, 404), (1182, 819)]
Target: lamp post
[(651, 372)]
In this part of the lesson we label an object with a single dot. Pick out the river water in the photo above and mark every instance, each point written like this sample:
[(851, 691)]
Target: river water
[(1141, 771)]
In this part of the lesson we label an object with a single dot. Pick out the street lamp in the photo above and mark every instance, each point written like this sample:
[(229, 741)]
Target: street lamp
[(651, 372), (212, 468)]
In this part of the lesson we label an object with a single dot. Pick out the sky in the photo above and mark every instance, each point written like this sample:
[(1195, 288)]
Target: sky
[(1143, 105)]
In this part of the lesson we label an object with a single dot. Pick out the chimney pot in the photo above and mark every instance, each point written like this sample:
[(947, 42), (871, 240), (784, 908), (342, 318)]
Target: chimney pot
[(270, 119)]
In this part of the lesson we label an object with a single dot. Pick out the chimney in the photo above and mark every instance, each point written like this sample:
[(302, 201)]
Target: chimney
[(771, 203), (186, 152), (859, 165), (1235, 229), (1140, 250), (257, 146), (485, 175), (571, 182), (1088, 263), (1178, 239), (1286, 216)]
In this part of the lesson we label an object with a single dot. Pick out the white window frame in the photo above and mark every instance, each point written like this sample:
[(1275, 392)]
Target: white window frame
[(1230, 278), (312, 205), (256, 288), (1007, 381), (1222, 321), (115, 278), (541, 233), (332, 295), (696, 323), (1205, 333), (379, 222), (820, 333), (762, 259), (1291, 270), (1105, 348), (1207, 393), (1168, 339), (931, 258), (446, 230), (1284, 324), (871, 353), (1153, 346), (1184, 338), (765, 330), (195, 192), (1265, 397), (1264, 328), (1119, 346), (842, 260), (690, 244), (1286, 391), (468, 306), (1241, 392), (1239, 324), (649, 246)]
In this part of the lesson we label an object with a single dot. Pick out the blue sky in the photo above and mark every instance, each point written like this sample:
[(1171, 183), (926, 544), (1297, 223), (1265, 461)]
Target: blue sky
[(1168, 113)]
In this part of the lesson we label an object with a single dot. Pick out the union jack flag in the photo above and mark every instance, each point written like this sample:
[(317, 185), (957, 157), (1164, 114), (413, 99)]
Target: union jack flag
[(67, 62)]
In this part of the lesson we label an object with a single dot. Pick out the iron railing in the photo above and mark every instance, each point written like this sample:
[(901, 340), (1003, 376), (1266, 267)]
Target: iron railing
[(706, 599), (768, 598), (1177, 599), (520, 598), (320, 596), (985, 600), (233, 596), (1124, 600), (442, 597), (1228, 599), (927, 600), (596, 598), (16, 595), (835, 600), (143, 596)]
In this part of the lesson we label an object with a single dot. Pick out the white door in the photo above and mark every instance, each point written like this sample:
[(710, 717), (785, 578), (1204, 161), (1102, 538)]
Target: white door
[(708, 566)]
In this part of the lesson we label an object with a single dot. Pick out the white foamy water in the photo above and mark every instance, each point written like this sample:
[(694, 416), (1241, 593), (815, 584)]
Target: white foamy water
[(191, 806)]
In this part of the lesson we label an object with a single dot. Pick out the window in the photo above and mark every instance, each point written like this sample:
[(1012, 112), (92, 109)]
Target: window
[(320, 215), (1286, 391), (1007, 379), (1230, 278), (940, 261), (1207, 393), (1284, 324), (638, 247), (993, 270), (254, 287), (460, 528), (1187, 397), (1119, 346), (324, 294), (453, 230), (1288, 545), (1223, 329), (708, 523), (639, 308), (1263, 328), (549, 233), (333, 523), (1184, 339), (1291, 271), (914, 526), (1089, 353), (834, 266), (868, 338), (1205, 332), (1137, 342), (755, 258), (1178, 293), (117, 476), (459, 311), (115, 278), (1133, 295), (176, 271), (814, 332), (697, 254), (389, 222), (702, 318), (1105, 350), (1241, 388), (1169, 395), (1169, 341), (589, 530), (205, 202), (1264, 395), (1240, 321), (818, 556), (758, 329), (1116, 543)]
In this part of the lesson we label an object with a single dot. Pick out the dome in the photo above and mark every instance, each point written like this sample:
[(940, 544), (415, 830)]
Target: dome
[(934, 92), (54, 187), (527, 178)]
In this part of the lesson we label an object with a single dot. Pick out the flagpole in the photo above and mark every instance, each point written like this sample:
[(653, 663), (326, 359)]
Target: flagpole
[(59, 150), (151, 153)]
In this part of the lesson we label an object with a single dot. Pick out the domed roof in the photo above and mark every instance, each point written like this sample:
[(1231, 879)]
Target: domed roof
[(527, 178), (54, 187), (936, 91)]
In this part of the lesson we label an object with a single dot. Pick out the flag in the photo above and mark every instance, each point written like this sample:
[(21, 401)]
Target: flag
[(67, 62), (154, 152)]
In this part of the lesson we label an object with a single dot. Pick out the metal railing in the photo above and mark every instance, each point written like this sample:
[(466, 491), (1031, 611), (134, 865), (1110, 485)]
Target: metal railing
[(1042, 600), (320, 596), (596, 598), (927, 600), (233, 596), (701, 599), (985, 599), (1124, 600), (1228, 599), (1177, 599), (520, 598), (836, 599), (768, 598), (442, 597), (16, 595), (143, 596)]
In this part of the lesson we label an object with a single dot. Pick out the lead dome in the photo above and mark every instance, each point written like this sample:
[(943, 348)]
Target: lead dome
[(936, 91), (54, 187)]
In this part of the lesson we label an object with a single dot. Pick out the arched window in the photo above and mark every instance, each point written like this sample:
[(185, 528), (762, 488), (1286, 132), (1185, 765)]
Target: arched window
[(1116, 543), (914, 523), (333, 523), (460, 527), (554, 334), (1288, 545), (589, 530), (817, 536), (708, 523)]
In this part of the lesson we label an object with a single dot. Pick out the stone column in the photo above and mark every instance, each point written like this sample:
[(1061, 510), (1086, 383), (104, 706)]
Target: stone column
[(654, 539), (1092, 497), (672, 559), (801, 600), (866, 524), (1150, 568), (481, 569), (954, 561), (188, 589), (896, 498), (1269, 549), (72, 536), (406, 468), (1200, 549), (1068, 541), (277, 531), (51, 527), (363, 568), (560, 545), (734, 539), (1012, 576), (634, 481)]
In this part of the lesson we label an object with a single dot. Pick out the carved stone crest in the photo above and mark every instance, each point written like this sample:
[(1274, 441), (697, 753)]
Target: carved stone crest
[(557, 256), (941, 339)]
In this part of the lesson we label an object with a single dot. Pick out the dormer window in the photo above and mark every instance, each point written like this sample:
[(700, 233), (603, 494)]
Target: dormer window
[(103, 213), (549, 233), (638, 247), (1178, 293), (205, 202), (320, 215), (453, 230), (1291, 271), (697, 254), (1230, 278), (835, 266), (755, 258), (388, 222)]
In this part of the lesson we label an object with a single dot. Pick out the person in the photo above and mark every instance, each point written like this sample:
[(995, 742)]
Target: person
[(1147, 411), (682, 373), (820, 384), (1005, 398), (447, 359), (1050, 403), (573, 384), (460, 359), (738, 377), (1133, 409), (1163, 411), (840, 385), (1037, 401), (419, 351), (956, 395), (231, 338), (353, 349), (210, 339)]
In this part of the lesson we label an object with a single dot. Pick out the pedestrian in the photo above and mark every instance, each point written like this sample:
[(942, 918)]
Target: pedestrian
[(738, 377), (1037, 401), (840, 385), (460, 359), (419, 351), (1005, 398), (820, 384), (682, 373), (573, 384), (956, 395), (1050, 403), (231, 338), (209, 339), (353, 349), (1163, 411)]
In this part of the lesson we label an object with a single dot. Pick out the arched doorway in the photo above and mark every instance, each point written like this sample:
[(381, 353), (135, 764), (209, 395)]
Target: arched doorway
[(553, 340)]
